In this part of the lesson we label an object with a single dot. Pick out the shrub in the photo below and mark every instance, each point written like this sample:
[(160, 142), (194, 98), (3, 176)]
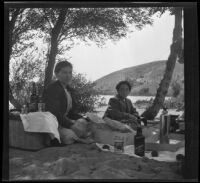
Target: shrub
[(144, 91), (87, 98), (176, 88)]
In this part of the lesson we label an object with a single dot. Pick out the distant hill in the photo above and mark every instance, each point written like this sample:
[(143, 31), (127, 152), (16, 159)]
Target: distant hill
[(145, 78)]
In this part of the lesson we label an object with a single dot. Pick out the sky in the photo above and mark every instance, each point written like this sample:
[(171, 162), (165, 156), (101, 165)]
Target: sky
[(152, 43)]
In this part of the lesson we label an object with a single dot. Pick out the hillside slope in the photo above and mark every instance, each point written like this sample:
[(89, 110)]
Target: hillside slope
[(145, 78)]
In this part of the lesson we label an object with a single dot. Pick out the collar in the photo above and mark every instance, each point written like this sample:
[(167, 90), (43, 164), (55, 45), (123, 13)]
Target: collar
[(120, 98), (64, 86)]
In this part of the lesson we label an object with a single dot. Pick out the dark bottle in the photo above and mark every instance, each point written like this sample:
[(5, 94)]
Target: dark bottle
[(41, 104), (139, 141), (33, 99)]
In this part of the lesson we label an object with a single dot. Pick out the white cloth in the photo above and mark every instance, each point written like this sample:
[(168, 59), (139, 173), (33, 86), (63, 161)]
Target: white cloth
[(163, 155), (42, 122)]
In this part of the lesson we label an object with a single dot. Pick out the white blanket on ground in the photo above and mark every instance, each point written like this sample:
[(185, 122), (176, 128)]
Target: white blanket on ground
[(41, 122), (163, 155)]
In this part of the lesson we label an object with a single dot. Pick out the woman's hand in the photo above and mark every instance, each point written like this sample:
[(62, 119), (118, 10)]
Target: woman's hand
[(132, 117)]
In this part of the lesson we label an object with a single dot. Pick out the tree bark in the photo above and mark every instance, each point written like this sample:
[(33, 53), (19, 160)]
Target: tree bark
[(54, 47), (176, 47)]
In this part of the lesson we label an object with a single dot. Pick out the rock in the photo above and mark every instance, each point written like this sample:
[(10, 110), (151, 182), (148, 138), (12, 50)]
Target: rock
[(64, 166), (31, 169), (145, 159), (154, 153), (23, 178), (16, 161), (179, 157), (139, 168), (92, 147), (156, 170), (83, 172), (109, 173), (92, 167), (44, 175), (47, 164)]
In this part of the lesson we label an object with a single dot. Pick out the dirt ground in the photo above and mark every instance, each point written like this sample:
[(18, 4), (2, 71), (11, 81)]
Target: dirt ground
[(86, 161)]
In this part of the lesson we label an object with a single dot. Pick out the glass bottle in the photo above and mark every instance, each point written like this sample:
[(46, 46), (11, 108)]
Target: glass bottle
[(33, 99), (139, 141), (119, 144), (41, 104)]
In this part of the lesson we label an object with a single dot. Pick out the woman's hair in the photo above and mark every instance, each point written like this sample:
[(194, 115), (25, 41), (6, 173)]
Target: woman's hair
[(61, 65), (121, 83)]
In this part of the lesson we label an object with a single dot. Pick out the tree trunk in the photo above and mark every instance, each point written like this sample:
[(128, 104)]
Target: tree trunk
[(54, 47), (176, 46)]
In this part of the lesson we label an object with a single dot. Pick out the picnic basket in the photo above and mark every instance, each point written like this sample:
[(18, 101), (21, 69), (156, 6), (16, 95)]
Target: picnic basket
[(18, 138)]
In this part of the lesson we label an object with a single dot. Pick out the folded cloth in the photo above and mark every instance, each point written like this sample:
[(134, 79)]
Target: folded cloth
[(42, 122)]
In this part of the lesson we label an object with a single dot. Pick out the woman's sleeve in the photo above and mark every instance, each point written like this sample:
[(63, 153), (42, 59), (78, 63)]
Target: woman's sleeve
[(114, 112), (73, 113), (133, 110), (53, 105)]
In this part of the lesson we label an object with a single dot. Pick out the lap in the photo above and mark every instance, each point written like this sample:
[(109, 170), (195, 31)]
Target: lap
[(67, 136)]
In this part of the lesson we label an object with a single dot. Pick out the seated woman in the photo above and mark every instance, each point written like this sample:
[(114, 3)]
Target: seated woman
[(59, 100), (120, 108)]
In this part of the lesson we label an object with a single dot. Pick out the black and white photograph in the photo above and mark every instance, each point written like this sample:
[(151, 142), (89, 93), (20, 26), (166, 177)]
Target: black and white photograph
[(100, 91)]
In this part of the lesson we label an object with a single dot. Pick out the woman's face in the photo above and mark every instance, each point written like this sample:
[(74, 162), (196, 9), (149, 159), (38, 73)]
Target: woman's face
[(65, 75), (124, 90)]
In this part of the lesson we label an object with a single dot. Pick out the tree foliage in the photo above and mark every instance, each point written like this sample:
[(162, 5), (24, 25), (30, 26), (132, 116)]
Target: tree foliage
[(176, 49), (23, 71), (176, 88), (86, 96), (60, 30)]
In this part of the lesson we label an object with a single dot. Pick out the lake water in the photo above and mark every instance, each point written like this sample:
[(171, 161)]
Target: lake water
[(132, 98), (101, 110)]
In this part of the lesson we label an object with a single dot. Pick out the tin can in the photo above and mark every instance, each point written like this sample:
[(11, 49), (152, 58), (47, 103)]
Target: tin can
[(118, 144), (164, 129)]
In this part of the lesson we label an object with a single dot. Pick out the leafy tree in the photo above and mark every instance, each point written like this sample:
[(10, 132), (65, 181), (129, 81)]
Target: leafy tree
[(86, 96), (60, 28), (23, 71), (144, 91), (176, 54), (22, 22), (64, 26), (176, 87)]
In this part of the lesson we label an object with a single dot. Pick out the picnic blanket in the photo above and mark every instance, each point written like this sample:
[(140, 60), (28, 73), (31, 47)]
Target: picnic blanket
[(41, 122), (167, 156)]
